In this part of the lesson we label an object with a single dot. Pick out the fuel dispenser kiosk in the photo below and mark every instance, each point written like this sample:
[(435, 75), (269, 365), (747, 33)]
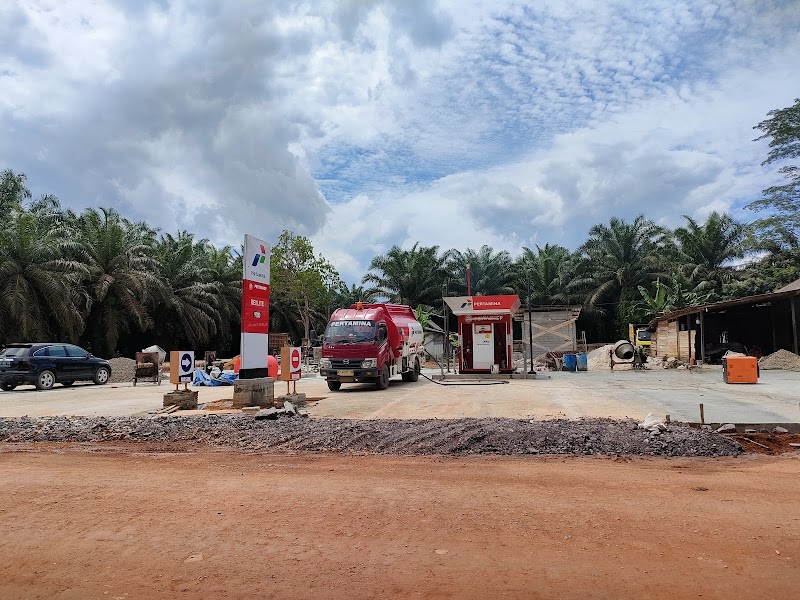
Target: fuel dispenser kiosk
[(485, 334)]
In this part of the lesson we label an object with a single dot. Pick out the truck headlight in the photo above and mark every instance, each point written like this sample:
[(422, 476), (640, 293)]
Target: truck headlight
[(324, 363), (370, 363)]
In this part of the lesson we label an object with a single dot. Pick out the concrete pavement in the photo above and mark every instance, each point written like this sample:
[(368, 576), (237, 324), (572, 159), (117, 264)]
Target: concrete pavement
[(616, 394)]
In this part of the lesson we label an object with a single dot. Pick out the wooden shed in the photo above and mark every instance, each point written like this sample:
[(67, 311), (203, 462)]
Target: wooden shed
[(756, 325), (553, 329)]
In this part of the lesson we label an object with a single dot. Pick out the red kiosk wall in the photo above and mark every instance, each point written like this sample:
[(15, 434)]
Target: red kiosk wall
[(466, 346), (500, 346)]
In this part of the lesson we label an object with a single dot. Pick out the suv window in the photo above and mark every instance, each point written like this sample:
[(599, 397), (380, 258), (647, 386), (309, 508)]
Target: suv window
[(14, 351), (76, 352), (55, 351)]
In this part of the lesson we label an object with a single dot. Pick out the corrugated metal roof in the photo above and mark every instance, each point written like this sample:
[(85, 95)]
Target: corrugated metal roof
[(716, 306)]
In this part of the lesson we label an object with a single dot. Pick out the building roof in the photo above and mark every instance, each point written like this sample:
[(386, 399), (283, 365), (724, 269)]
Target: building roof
[(573, 309), (792, 287), (431, 326), (725, 304)]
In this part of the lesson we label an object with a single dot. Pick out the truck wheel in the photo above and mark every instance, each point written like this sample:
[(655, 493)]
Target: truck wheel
[(383, 379), (413, 375), (334, 386)]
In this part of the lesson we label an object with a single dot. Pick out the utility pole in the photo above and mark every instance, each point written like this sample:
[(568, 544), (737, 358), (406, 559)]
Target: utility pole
[(530, 328), (446, 341)]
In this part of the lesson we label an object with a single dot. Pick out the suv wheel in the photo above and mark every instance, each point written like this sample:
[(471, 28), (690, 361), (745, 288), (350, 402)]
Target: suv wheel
[(7, 387), (67, 383), (45, 380), (101, 376)]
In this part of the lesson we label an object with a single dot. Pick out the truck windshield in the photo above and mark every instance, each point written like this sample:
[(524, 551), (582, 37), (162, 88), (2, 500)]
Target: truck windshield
[(643, 336), (349, 332)]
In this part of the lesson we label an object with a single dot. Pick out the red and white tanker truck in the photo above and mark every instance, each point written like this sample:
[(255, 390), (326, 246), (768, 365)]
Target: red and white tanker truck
[(371, 343)]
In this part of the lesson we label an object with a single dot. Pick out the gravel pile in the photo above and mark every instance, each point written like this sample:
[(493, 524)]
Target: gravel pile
[(122, 370), (396, 437), (782, 359)]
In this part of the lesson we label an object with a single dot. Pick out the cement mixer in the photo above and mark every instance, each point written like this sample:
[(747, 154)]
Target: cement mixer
[(624, 353)]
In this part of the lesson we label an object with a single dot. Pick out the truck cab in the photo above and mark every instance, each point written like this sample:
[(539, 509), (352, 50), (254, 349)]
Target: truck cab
[(643, 338)]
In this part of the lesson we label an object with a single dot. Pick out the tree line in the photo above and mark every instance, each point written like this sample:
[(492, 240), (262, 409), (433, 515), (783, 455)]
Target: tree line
[(114, 285)]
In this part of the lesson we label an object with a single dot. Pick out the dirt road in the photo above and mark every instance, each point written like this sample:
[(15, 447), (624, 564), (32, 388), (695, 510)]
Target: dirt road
[(107, 522)]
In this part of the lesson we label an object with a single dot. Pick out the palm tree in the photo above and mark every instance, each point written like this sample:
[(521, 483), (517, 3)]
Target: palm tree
[(347, 296), (122, 276), (412, 276), (491, 272), (13, 192), (707, 250), (39, 277), (225, 268), (188, 298), (547, 274), (617, 259)]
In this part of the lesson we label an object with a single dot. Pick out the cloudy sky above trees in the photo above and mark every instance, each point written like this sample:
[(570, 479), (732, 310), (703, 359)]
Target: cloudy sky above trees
[(364, 124)]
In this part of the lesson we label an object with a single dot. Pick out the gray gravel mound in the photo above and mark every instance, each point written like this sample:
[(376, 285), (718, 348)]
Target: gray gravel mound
[(122, 369), (396, 437)]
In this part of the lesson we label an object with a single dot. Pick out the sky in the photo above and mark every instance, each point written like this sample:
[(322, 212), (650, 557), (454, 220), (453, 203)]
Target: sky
[(363, 124)]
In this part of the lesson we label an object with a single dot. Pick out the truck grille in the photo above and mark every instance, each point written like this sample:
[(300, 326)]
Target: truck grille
[(339, 363)]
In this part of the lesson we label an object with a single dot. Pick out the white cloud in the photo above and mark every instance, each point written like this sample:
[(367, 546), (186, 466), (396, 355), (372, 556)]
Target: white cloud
[(365, 123)]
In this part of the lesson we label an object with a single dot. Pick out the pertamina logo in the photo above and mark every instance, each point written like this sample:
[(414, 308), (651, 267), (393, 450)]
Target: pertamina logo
[(260, 258), (467, 303)]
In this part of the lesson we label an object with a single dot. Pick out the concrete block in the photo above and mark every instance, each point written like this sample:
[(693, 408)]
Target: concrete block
[(267, 413), (253, 392), (296, 399), (184, 399), (251, 410)]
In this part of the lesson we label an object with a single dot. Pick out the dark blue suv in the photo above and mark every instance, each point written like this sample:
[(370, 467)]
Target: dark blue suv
[(44, 365)]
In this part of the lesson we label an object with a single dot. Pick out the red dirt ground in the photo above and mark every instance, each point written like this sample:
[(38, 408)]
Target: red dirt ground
[(115, 522), (767, 443)]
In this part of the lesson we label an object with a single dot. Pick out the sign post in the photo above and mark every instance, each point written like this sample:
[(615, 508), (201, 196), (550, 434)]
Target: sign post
[(291, 366), (255, 308), (181, 367)]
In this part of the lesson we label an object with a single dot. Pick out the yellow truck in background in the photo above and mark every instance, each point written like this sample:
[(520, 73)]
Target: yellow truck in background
[(639, 336)]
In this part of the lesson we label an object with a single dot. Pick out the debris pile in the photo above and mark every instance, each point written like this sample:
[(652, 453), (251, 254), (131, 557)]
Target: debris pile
[(782, 359), (379, 436), (122, 370), (672, 362)]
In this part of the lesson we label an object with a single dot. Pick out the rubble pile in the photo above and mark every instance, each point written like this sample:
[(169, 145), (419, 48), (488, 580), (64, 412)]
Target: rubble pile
[(457, 437), (782, 359), (122, 370)]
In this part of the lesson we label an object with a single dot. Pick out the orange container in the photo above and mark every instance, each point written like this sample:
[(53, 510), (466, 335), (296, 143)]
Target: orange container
[(740, 369)]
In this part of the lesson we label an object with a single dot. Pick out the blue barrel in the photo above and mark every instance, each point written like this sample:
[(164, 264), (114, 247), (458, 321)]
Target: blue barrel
[(570, 362), (583, 362)]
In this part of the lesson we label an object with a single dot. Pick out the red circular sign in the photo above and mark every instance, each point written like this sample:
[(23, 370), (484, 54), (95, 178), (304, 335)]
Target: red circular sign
[(295, 359)]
